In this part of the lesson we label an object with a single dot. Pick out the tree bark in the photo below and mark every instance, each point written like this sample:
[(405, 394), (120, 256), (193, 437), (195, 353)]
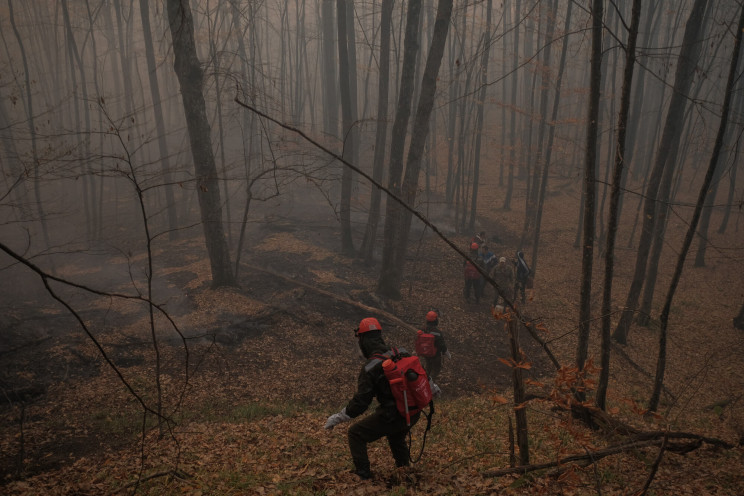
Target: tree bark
[(420, 132), (683, 79), (513, 117), (590, 159), (612, 223), (389, 282), (479, 118), (191, 80), (370, 235), (157, 108), (664, 318), (347, 134)]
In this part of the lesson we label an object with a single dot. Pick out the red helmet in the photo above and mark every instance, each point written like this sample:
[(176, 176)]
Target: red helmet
[(431, 316), (368, 324), (474, 246)]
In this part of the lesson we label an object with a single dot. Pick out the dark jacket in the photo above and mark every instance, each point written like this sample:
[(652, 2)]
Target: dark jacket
[(439, 342), (372, 382), (523, 270)]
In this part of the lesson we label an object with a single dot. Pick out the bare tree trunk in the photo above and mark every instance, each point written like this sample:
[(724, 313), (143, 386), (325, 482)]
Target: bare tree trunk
[(612, 223), (389, 282), (683, 79), (370, 235), (29, 104), (347, 134), (587, 258), (520, 412), (330, 81), (421, 128), (540, 201), (479, 117), (191, 80), (157, 108), (664, 318), (705, 219), (513, 122)]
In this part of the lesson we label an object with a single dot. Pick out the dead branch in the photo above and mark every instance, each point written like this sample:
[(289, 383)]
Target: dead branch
[(593, 456), (366, 308), (654, 468), (508, 303)]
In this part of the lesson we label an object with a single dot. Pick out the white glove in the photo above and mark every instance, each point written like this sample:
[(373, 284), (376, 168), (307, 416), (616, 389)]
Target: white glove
[(336, 419), (435, 390), (448, 355)]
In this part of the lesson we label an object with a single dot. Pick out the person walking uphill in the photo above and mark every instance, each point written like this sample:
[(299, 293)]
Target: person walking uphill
[(503, 274), (432, 354), (523, 274), (385, 421), (472, 276)]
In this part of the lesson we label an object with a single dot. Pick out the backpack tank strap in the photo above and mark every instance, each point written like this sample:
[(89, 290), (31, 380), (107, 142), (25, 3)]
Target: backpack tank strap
[(377, 359)]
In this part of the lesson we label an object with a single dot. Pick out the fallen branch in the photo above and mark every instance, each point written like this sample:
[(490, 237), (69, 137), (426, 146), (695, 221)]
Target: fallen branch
[(654, 468), (362, 306), (593, 456)]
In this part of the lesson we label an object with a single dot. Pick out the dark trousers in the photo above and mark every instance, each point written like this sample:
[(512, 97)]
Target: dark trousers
[(373, 427), (433, 366), (476, 287), (519, 289)]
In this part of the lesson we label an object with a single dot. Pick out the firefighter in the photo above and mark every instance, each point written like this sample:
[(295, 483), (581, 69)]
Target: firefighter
[(433, 364), (385, 421)]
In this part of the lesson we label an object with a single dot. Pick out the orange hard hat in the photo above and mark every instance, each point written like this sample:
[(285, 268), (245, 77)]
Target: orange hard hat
[(431, 316), (368, 324), (474, 246)]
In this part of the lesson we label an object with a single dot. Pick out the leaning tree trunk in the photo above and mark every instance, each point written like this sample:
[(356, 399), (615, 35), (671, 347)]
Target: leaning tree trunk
[(612, 223), (191, 80), (421, 129), (664, 318), (686, 67), (587, 258)]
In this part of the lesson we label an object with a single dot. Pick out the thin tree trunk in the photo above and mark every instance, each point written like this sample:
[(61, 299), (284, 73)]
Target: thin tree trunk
[(513, 118), (683, 79), (157, 108), (347, 134), (29, 104), (421, 129), (190, 78), (370, 235), (612, 222), (664, 318), (587, 258), (389, 281), (479, 119)]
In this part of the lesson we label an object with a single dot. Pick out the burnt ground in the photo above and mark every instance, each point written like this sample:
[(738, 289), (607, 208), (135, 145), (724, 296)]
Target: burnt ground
[(284, 335), (273, 339)]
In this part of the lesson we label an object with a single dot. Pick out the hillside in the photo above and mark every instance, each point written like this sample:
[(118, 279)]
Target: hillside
[(269, 361)]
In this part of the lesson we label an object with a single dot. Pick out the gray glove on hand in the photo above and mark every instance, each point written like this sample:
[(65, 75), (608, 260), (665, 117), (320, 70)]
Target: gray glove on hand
[(435, 390), (336, 419), (448, 355)]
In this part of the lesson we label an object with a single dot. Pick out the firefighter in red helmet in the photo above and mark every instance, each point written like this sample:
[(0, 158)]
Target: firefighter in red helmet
[(385, 421), (472, 276), (433, 362)]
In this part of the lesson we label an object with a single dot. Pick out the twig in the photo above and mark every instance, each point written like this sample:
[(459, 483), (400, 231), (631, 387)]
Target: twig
[(654, 468)]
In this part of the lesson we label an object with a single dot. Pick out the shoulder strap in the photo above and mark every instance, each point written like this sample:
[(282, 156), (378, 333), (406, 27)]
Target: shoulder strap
[(379, 358)]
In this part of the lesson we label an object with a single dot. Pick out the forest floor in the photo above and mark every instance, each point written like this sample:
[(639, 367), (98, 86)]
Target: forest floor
[(251, 373)]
